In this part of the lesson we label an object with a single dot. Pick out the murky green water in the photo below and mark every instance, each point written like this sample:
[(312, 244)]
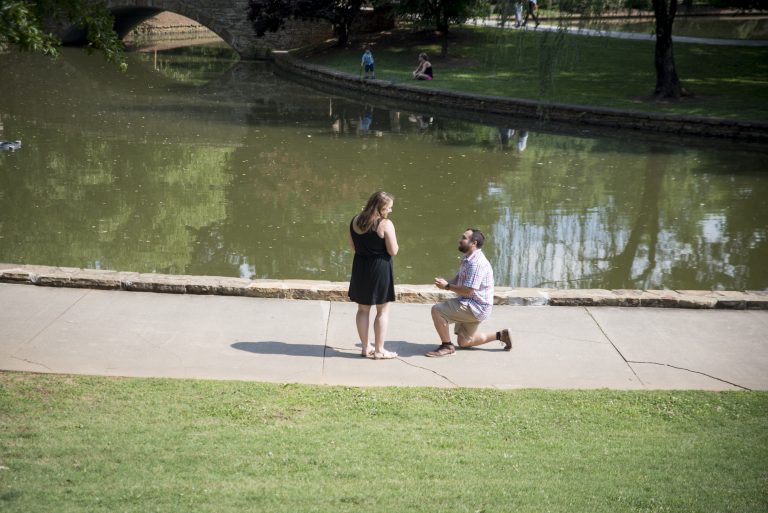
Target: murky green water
[(187, 164)]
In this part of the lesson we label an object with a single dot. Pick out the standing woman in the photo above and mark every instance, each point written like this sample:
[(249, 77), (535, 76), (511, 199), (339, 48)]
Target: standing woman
[(372, 237)]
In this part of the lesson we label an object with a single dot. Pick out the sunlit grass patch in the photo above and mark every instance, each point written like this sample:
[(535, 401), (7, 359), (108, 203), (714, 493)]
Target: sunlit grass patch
[(104, 444), (555, 66)]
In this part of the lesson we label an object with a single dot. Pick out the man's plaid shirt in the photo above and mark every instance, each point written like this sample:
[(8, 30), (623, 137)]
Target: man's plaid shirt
[(475, 272)]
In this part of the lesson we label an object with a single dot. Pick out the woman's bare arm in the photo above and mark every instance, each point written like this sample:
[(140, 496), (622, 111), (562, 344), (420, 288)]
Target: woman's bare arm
[(390, 238)]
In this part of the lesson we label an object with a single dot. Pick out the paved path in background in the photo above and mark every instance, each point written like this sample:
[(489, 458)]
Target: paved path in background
[(637, 36), (118, 333)]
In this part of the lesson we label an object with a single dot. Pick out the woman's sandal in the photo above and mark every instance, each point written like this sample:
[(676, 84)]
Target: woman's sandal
[(367, 354), (384, 355)]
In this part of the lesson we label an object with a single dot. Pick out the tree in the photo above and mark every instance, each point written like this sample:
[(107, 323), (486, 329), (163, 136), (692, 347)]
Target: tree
[(25, 25), (441, 14), (667, 82), (270, 15)]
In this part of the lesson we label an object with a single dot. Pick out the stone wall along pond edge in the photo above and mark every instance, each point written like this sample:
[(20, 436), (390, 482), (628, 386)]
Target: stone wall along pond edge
[(49, 276)]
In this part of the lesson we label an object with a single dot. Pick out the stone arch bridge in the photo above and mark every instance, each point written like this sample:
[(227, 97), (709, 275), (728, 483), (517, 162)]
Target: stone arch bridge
[(226, 18)]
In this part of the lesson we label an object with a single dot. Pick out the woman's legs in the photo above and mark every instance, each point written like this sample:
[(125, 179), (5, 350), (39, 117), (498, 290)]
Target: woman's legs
[(380, 326), (380, 322), (362, 320), (380, 331)]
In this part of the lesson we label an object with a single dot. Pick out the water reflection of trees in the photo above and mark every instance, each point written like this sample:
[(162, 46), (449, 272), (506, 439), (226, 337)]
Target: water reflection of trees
[(195, 65), (566, 213), (110, 205), (659, 222), (292, 196), (266, 177)]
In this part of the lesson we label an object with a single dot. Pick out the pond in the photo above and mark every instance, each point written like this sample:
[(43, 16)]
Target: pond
[(193, 163)]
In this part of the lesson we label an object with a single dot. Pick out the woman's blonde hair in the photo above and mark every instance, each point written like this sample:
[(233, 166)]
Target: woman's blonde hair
[(376, 203)]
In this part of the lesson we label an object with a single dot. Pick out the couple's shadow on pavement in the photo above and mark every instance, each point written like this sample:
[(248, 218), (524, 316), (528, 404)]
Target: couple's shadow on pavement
[(401, 347)]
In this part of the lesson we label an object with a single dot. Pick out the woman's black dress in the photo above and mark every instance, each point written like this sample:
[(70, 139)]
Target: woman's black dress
[(373, 280)]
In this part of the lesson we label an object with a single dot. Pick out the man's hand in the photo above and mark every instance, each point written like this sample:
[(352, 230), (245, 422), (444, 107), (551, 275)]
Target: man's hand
[(440, 283)]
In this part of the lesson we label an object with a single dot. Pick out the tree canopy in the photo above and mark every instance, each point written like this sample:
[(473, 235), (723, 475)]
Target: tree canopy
[(25, 25), (271, 15), (441, 14)]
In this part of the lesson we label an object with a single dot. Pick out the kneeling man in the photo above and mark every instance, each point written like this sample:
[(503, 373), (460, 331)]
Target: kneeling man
[(473, 286)]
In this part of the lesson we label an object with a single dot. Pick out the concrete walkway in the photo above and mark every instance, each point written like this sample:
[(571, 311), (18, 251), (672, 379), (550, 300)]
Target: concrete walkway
[(636, 36), (119, 333)]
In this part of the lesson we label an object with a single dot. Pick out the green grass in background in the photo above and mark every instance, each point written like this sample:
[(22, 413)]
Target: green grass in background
[(727, 81), (140, 445)]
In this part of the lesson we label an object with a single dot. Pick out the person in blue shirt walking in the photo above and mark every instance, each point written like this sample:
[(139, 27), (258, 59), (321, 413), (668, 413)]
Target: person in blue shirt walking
[(367, 63)]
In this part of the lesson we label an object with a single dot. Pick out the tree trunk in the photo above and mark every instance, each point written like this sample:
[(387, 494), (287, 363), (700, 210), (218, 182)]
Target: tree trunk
[(444, 45), (442, 27), (342, 32), (667, 81)]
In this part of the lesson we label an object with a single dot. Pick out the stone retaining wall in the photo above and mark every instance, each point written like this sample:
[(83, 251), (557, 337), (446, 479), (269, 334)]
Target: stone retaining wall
[(457, 102), (337, 291)]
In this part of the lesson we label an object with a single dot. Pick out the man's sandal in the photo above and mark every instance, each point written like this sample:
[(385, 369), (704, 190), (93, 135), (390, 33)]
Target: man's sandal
[(506, 340), (446, 349)]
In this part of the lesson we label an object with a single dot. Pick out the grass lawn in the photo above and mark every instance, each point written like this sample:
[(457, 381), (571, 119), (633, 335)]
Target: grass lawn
[(727, 81), (140, 445)]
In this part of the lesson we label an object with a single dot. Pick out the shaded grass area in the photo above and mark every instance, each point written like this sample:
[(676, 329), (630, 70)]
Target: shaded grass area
[(102, 444), (727, 82)]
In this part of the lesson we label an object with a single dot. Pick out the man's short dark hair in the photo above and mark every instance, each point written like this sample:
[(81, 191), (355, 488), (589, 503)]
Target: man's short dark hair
[(477, 236)]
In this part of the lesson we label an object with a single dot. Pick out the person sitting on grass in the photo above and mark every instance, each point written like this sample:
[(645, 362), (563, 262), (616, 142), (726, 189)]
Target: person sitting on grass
[(424, 70)]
